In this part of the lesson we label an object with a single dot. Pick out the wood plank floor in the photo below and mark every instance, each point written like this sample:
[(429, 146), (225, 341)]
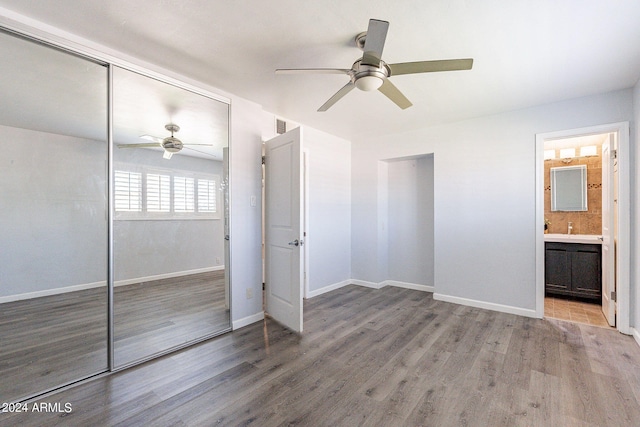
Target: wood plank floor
[(388, 357), (53, 340)]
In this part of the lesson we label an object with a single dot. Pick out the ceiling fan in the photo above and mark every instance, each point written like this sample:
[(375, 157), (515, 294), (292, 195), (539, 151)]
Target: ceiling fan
[(370, 72), (170, 144)]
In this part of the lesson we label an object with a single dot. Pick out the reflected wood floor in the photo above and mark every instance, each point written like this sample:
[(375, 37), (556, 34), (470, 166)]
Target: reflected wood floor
[(53, 340), (388, 357)]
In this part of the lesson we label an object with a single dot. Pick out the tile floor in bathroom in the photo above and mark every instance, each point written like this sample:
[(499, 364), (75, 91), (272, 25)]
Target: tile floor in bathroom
[(574, 311)]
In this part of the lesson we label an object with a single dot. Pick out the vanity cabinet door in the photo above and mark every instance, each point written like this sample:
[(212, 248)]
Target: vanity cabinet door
[(557, 268), (586, 272), (573, 269)]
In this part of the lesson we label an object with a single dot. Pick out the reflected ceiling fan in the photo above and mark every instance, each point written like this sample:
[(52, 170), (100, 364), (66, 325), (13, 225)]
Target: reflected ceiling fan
[(370, 72), (170, 144)]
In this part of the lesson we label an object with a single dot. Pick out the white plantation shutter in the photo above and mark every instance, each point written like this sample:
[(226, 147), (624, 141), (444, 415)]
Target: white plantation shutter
[(207, 195), (183, 194), (128, 191), (165, 194), (158, 193)]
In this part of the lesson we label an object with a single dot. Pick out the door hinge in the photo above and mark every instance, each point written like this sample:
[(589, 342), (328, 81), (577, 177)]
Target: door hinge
[(264, 159), (614, 154), (614, 296)]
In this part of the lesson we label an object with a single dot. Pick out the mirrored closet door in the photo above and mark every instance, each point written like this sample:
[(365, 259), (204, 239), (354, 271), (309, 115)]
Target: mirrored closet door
[(169, 155), (154, 269), (53, 218)]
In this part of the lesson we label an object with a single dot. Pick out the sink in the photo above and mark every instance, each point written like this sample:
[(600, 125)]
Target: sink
[(573, 238)]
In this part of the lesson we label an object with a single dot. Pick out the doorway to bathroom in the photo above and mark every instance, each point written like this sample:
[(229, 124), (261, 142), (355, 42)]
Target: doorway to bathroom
[(582, 229)]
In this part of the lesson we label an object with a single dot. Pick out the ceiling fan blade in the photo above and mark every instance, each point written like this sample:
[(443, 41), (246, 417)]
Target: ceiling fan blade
[(141, 145), (430, 66), (313, 71), (167, 155), (394, 94), (151, 138), (374, 42), (205, 145), (338, 95), (201, 152)]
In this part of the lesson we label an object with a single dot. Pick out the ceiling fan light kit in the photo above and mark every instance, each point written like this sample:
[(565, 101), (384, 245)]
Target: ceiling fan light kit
[(371, 72), (170, 144)]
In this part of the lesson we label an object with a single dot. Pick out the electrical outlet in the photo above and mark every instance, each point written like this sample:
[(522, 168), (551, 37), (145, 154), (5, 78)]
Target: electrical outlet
[(249, 293)]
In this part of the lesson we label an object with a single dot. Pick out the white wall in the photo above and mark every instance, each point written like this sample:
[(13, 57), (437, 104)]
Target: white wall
[(248, 124), (329, 201), (144, 249), (53, 224), (484, 183)]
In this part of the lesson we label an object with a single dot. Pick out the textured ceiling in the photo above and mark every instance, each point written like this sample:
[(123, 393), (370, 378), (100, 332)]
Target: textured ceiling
[(526, 52)]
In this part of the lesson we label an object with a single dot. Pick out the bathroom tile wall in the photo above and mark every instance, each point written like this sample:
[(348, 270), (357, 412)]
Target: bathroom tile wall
[(589, 222)]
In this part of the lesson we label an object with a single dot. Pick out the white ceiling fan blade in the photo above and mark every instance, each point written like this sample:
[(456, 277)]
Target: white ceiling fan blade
[(201, 152), (141, 145), (205, 145), (394, 94), (151, 138), (430, 66), (167, 155), (337, 96), (313, 71), (374, 42)]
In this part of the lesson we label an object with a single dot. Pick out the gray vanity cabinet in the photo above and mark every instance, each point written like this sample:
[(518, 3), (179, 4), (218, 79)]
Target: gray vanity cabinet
[(573, 269)]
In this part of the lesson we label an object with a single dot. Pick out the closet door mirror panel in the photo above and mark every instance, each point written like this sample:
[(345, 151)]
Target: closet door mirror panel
[(170, 202), (53, 220)]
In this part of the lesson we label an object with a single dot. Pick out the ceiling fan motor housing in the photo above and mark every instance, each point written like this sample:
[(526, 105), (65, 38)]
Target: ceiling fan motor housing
[(172, 144), (369, 77)]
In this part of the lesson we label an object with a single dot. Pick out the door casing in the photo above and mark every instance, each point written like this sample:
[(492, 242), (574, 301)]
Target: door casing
[(623, 259)]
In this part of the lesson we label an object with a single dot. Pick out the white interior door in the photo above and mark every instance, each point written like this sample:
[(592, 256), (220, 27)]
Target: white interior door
[(608, 235), (283, 229)]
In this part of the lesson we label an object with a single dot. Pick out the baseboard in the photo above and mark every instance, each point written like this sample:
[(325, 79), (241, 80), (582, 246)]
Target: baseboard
[(167, 275), (486, 305), (397, 284), (636, 335), (366, 284), (329, 288), (414, 286), (49, 292), (84, 286), (245, 321)]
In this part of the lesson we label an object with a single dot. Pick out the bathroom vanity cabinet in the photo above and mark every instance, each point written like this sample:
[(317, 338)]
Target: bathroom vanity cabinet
[(573, 269)]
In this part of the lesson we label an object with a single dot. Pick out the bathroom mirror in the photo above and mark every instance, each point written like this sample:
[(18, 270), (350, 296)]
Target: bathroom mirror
[(569, 188)]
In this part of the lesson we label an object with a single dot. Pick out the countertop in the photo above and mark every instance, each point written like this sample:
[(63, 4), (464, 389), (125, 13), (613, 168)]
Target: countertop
[(574, 238)]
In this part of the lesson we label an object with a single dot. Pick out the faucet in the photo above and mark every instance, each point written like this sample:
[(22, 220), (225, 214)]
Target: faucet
[(569, 227)]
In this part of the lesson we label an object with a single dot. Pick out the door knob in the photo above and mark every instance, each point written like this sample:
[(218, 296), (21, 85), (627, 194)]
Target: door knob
[(294, 243)]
